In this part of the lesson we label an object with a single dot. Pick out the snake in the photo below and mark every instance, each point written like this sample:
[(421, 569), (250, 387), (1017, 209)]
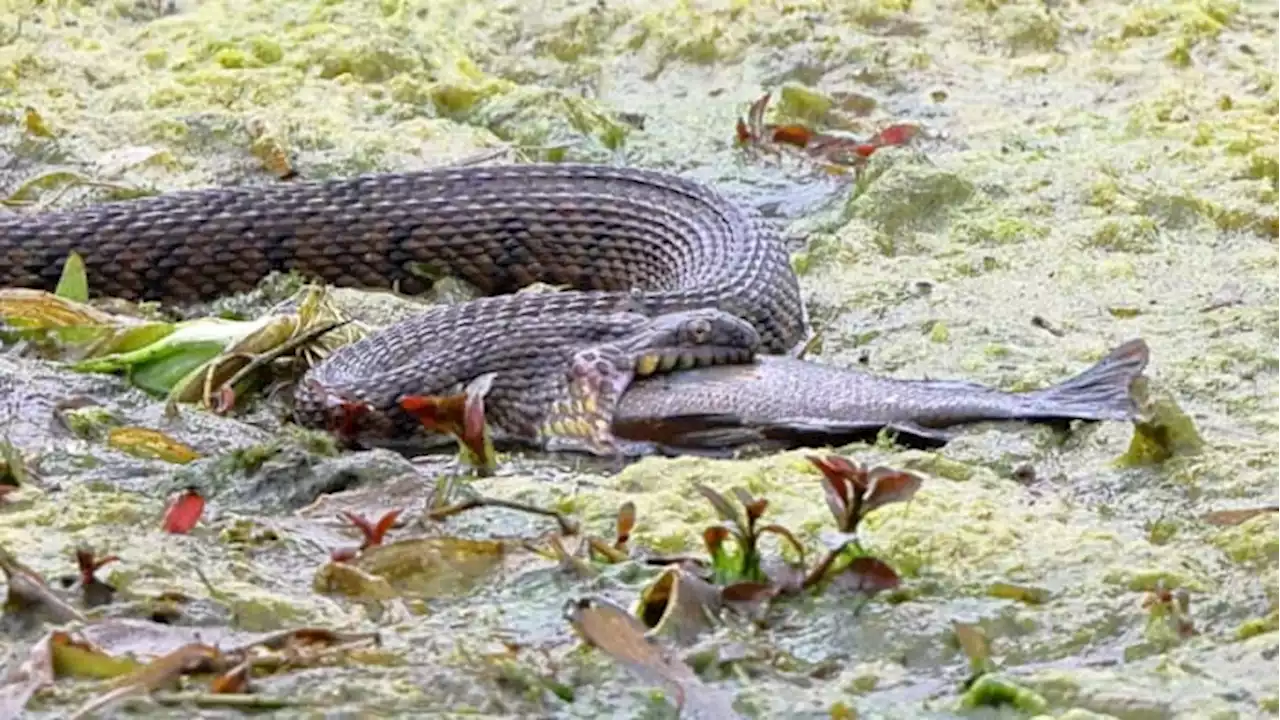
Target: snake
[(658, 273)]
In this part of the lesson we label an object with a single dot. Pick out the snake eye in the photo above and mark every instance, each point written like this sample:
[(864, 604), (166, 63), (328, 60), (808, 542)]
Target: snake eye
[(699, 331)]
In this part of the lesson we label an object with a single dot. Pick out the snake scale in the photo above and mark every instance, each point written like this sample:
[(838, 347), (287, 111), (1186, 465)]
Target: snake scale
[(663, 272)]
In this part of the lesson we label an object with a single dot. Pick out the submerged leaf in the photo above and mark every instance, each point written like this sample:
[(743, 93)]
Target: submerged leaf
[(434, 566), (973, 642), (26, 679), (342, 578), (150, 444), (617, 633), (866, 575), (750, 598), (154, 675), (76, 658), (621, 636)]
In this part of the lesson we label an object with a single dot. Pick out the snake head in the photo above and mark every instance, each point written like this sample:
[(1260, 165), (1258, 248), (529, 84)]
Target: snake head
[(692, 338)]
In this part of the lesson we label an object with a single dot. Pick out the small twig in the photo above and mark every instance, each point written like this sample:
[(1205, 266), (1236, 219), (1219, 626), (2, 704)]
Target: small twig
[(1037, 321), (567, 526), (228, 700)]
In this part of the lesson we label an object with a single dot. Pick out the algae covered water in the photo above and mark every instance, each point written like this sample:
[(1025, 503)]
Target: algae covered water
[(1084, 173)]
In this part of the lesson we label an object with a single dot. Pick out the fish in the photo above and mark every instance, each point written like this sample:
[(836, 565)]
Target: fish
[(779, 402)]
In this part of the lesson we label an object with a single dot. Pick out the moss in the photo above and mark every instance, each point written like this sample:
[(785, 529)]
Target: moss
[(232, 58), (452, 99), (823, 250), (909, 197), (796, 102), (1264, 165), (873, 12), (266, 50), (1254, 543), (1027, 28), (1134, 234), (539, 118), (1258, 626), (994, 229), (995, 691)]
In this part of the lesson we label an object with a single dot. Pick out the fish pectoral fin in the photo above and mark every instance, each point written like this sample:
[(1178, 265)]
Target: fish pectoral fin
[(806, 430), (920, 434)]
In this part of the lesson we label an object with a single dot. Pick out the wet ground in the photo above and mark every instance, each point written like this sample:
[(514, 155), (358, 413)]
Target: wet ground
[(1088, 173)]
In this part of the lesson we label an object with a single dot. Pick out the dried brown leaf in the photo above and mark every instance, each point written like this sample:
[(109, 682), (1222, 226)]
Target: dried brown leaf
[(235, 680), (973, 642), (886, 486), (626, 522), (155, 675), (1236, 517), (714, 537), (867, 575)]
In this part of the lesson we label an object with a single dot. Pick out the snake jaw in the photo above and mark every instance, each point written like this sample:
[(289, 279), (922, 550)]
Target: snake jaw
[(582, 419), (598, 376)]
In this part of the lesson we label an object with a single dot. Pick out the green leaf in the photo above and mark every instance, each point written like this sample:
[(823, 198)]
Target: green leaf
[(161, 376), (74, 283)]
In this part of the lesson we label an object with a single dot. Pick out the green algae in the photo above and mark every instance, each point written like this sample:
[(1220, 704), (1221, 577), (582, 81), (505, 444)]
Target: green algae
[(904, 198)]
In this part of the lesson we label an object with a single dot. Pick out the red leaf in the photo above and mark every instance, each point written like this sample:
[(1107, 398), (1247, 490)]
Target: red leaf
[(886, 486), (749, 593), (896, 135), (461, 415), (797, 135), (384, 525), (183, 513), (714, 537), (373, 534)]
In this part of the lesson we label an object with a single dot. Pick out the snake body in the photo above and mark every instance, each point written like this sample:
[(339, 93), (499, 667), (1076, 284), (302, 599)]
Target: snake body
[(634, 245)]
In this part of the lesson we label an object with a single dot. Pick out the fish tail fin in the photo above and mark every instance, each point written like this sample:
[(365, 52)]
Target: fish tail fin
[(1099, 393)]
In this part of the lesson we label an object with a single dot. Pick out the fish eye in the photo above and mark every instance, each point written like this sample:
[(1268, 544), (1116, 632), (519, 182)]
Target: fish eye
[(699, 331)]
